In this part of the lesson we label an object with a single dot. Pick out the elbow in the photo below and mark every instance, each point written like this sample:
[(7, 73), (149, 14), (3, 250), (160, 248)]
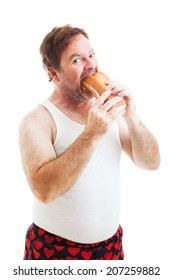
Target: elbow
[(41, 192), (156, 159), (151, 164), (46, 190), (156, 164), (148, 163), (43, 196), (45, 199)]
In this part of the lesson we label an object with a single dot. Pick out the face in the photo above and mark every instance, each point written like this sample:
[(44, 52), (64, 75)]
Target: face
[(77, 62)]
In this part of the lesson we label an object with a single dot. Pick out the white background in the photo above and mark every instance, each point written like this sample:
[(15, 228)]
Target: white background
[(133, 43)]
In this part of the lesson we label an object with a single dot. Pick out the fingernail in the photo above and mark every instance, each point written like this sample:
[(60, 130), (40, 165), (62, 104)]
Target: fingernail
[(107, 82), (119, 98), (109, 90)]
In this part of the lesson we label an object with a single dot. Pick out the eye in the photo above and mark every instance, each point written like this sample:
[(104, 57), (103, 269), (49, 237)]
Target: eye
[(77, 60), (92, 54)]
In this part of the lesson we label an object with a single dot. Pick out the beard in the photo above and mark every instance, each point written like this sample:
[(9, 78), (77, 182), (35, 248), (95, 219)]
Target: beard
[(74, 93), (73, 90)]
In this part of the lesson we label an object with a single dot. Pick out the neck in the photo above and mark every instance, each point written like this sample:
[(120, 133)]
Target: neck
[(75, 110)]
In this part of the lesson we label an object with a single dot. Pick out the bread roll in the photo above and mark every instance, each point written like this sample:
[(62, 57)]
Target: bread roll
[(96, 85)]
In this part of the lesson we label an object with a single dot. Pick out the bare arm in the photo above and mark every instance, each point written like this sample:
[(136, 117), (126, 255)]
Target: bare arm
[(48, 175), (137, 141)]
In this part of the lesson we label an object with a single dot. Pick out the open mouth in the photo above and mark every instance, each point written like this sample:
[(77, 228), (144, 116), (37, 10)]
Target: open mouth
[(84, 89), (88, 74), (88, 89)]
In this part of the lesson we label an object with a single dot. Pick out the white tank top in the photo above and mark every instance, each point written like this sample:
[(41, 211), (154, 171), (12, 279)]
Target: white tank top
[(89, 211)]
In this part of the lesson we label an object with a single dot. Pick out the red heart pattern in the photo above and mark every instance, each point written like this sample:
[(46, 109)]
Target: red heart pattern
[(27, 243), (86, 255), (38, 244), (48, 238), (108, 256), (36, 254), (48, 252), (59, 248), (41, 231), (42, 245), (73, 251)]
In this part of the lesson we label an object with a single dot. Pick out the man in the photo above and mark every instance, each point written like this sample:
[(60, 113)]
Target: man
[(70, 148)]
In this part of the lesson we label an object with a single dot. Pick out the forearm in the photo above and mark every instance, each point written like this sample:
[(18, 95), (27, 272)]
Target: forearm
[(57, 176), (145, 150)]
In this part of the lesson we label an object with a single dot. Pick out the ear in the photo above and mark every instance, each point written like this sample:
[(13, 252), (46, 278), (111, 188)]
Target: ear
[(53, 74)]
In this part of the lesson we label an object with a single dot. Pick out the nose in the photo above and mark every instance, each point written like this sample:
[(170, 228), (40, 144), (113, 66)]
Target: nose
[(90, 63)]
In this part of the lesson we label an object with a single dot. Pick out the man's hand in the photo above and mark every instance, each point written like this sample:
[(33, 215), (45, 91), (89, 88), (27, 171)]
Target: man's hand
[(122, 91), (103, 113)]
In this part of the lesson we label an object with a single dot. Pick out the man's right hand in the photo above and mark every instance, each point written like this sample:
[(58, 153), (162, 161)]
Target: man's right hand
[(102, 114)]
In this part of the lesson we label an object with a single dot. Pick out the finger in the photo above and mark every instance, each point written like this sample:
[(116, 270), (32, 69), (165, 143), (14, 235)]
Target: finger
[(111, 103), (117, 112), (118, 88), (110, 81), (120, 106), (100, 101), (124, 93)]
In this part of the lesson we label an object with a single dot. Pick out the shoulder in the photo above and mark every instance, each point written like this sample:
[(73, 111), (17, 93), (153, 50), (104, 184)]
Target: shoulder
[(36, 141), (36, 116), (37, 120)]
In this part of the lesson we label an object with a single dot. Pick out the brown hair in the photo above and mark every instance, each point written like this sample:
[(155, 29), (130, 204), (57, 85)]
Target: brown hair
[(55, 42)]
